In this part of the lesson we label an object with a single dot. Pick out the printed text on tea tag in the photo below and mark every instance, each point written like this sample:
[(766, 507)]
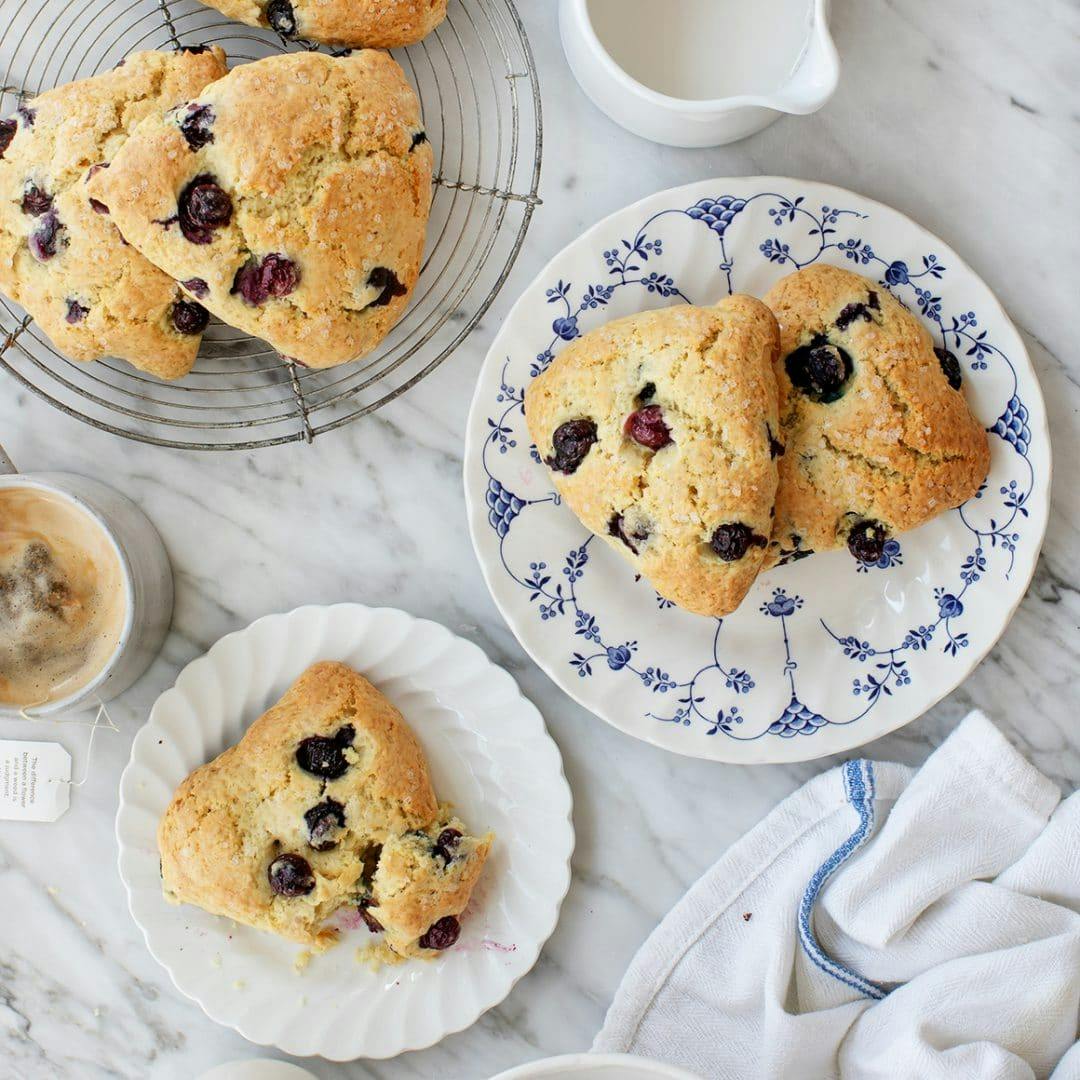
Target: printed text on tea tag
[(35, 780)]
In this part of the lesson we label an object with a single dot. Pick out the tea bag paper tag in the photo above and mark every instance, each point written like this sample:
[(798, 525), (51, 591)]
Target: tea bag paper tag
[(35, 780)]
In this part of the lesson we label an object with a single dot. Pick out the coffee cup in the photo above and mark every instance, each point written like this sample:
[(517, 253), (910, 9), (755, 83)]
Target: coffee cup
[(86, 592)]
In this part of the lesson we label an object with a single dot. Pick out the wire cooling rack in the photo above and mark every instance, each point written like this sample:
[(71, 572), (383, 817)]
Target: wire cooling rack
[(477, 84)]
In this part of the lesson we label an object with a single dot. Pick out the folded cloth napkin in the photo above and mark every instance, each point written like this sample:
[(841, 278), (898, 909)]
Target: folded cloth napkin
[(879, 923)]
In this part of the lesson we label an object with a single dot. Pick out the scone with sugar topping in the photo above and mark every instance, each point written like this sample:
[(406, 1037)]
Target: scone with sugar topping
[(878, 435), (290, 198), (373, 24), (61, 255), (659, 430), (324, 804)]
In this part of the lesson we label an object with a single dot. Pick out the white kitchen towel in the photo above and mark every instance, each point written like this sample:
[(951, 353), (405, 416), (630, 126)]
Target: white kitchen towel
[(879, 923)]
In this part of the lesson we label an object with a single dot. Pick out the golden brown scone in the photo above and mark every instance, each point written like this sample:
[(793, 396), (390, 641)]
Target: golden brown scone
[(325, 802), (291, 198), (375, 24), (659, 431), (878, 436), (61, 257)]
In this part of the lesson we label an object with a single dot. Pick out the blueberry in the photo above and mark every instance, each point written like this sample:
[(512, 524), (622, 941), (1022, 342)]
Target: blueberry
[(951, 366), (638, 534), (257, 281), (45, 239), (197, 287), (7, 133), (776, 447), (195, 50), (203, 207), (446, 844), (280, 15), (196, 125), (370, 921), (280, 275), (418, 139), (323, 823), (189, 317), (571, 442), (646, 393), (441, 934), (96, 204), (646, 426), (858, 311), (35, 201), (732, 541), (325, 757), (75, 312), (27, 115), (820, 370), (386, 281), (248, 283), (866, 540), (291, 875)]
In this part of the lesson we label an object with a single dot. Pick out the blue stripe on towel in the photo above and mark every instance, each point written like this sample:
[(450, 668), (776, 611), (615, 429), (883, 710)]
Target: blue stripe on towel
[(859, 785)]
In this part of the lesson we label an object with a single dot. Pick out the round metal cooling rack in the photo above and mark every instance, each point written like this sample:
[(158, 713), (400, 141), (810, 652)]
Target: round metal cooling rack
[(481, 103)]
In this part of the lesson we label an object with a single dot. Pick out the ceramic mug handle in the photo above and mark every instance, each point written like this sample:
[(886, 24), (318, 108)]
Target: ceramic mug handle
[(6, 464)]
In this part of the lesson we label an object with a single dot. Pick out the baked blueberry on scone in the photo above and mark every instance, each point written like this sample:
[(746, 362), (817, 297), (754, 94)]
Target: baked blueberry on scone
[(377, 24), (878, 437), (290, 198), (324, 804), (659, 430), (61, 255)]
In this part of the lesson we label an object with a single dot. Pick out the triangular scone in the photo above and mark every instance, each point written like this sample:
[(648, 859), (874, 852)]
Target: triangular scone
[(375, 24), (324, 803), (61, 256), (291, 199), (659, 430), (878, 436)]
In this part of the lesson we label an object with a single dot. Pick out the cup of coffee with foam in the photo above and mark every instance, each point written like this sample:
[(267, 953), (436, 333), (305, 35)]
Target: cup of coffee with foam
[(86, 592)]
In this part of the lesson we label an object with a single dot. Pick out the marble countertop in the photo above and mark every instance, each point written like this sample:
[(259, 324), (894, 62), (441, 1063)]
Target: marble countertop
[(964, 116)]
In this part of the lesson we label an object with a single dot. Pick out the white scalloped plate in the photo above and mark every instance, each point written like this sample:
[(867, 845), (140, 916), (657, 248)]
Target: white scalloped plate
[(490, 755), (823, 654)]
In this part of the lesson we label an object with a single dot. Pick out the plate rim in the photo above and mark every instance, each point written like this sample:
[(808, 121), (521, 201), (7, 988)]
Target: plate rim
[(477, 518), (559, 892)]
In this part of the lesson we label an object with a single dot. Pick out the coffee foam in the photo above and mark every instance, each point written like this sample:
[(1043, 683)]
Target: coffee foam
[(63, 601)]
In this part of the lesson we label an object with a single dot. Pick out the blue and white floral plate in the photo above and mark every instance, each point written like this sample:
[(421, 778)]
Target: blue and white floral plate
[(823, 654)]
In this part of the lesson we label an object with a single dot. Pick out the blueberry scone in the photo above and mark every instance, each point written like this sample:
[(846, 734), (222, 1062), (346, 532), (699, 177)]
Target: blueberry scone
[(659, 430), (290, 198), (877, 435), (377, 24), (61, 256), (324, 804)]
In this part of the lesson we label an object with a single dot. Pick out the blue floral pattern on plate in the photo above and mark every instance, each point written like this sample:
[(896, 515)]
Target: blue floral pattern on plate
[(810, 665)]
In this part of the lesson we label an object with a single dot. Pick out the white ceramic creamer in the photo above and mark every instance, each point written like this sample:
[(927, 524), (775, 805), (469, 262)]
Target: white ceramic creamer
[(700, 72)]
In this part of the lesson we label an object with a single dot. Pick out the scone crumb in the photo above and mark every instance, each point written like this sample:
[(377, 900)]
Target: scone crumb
[(379, 954)]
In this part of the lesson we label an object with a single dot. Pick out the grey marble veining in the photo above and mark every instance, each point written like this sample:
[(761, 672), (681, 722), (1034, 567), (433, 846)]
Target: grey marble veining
[(964, 116)]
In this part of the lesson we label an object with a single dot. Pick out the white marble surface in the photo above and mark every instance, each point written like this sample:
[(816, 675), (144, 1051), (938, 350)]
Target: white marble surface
[(963, 115)]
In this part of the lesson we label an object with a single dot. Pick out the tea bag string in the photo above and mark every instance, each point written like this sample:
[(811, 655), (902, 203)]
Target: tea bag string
[(101, 719)]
